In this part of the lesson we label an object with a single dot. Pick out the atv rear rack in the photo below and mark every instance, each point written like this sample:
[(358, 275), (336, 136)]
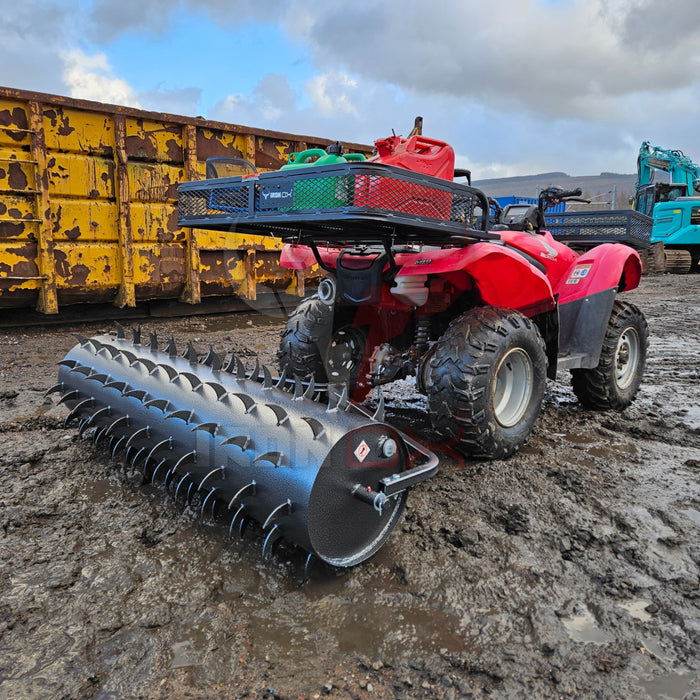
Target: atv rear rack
[(341, 204)]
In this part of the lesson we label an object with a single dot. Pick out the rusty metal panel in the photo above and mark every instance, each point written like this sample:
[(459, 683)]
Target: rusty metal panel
[(88, 205)]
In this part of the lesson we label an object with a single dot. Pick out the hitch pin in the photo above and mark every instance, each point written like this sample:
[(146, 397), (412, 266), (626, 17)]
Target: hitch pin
[(376, 499)]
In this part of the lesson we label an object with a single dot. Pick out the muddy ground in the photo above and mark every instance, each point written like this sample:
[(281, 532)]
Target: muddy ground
[(569, 570)]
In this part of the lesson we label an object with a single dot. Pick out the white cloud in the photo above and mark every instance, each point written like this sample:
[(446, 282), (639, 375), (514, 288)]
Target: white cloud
[(333, 93), (91, 78)]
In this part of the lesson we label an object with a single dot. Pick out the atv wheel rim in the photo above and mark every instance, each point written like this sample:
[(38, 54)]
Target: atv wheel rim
[(626, 358), (512, 387), (344, 354)]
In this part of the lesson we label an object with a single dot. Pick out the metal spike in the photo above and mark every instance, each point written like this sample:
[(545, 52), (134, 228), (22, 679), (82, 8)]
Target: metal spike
[(170, 371), (210, 428), (138, 454), (130, 357), (298, 389), (248, 490), (98, 435), (191, 354), (185, 458), (80, 425), (184, 414), (69, 396), (81, 369), (119, 386), (136, 394), (168, 476), (239, 513), (81, 338), (219, 470), (107, 410), (160, 445), (280, 413), (96, 345), (212, 360), (240, 370), (309, 393), (267, 378), (248, 402), (156, 470), (243, 525), (115, 449), (127, 453), (280, 511), (255, 374), (379, 414), (99, 377), (148, 364), (162, 404), (111, 442), (282, 379), (111, 351), (272, 539), (310, 559), (67, 363), (242, 441), (171, 348), (316, 426), (153, 341), (122, 420), (180, 483), (211, 494), (193, 379), (231, 364), (276, 458), (139, 433), (136, 336), (189, 492), (56, 387), (120, 331), (76, 410), (219, 389)]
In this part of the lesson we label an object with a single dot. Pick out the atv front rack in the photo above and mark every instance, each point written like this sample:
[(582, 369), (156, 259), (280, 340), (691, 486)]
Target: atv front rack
[(342, 204), (587, 229)]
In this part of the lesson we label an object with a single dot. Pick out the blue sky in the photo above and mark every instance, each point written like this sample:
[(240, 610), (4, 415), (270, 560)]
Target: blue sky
[(516, 86)]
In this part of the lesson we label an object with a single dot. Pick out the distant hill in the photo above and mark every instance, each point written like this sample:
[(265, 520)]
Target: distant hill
[(599, 188)]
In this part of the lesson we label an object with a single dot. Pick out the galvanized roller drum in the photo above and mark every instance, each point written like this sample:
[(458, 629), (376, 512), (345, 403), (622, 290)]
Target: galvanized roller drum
[(324, 476)]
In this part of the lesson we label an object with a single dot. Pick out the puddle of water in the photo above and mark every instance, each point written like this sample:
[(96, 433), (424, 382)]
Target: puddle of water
[(636, 609), (671, 686), (652, 645), (584, 628), (183, 654)]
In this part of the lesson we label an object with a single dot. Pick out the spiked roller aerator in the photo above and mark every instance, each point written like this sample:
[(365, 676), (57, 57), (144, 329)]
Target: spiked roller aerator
[(328, 477)]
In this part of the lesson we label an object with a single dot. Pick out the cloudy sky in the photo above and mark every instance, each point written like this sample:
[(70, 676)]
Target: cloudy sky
[(516, 86)]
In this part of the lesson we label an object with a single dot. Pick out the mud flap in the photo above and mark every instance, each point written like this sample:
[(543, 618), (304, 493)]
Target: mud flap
[(582, 326)]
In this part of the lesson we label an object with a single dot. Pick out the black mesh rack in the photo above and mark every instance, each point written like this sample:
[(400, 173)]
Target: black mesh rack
[(588, 229), (339, 203)]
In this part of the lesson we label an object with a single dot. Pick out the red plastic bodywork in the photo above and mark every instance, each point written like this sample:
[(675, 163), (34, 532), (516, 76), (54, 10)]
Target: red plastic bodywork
[(500, 275)]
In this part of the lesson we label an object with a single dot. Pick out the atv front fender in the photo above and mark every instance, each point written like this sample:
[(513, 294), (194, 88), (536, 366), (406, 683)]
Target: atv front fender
[(608, 266)]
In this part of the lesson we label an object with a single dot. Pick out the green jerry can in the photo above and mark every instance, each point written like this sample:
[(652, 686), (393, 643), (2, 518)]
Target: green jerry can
[(329, 192)]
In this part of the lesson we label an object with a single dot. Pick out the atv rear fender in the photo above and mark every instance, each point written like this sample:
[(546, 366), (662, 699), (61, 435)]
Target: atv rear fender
[(500, 276)]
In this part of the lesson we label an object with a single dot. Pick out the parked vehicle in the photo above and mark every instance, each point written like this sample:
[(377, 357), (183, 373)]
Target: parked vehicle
[(414, 286)]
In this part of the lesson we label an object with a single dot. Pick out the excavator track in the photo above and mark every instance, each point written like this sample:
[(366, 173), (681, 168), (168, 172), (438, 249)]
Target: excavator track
[(678, 261)]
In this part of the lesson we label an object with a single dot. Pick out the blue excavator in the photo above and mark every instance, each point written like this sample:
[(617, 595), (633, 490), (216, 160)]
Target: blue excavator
[(674, 205)]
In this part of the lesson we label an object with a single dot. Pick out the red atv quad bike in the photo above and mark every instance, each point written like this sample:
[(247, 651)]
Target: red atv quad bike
[(417, 282)]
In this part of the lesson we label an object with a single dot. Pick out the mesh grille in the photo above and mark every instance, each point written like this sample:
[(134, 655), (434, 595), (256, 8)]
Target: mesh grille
[(343, 198), (601, 227)]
